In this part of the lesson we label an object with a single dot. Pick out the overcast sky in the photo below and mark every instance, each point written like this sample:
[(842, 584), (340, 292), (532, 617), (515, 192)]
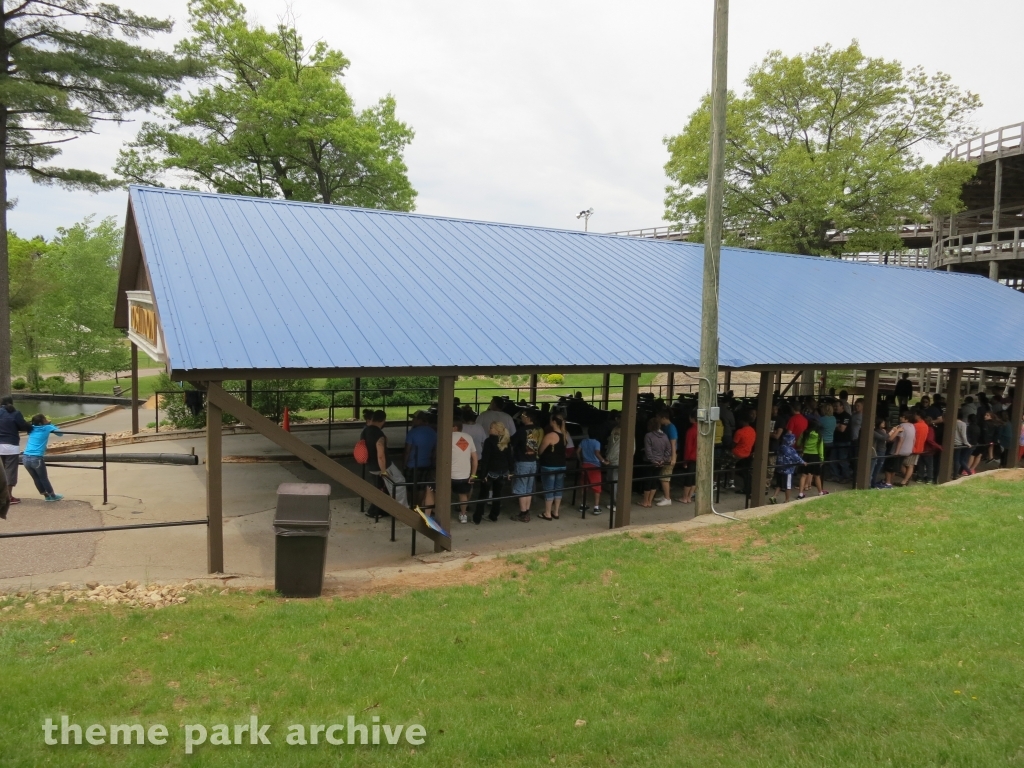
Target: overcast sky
[(529, 112)]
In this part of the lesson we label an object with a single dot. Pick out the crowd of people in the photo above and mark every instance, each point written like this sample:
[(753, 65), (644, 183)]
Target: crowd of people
[(516, 451)]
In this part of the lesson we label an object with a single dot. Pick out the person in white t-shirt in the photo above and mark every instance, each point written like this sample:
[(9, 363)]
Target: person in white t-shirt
[(464, 464), (496, 412), (470, 427)]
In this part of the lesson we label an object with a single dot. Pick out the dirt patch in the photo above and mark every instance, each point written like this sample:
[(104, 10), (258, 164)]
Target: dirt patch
[(1009, 474), (732, 537), (470, 573)]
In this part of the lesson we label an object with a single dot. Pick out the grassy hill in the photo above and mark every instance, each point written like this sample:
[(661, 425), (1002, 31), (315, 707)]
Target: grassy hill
[(868, 628)]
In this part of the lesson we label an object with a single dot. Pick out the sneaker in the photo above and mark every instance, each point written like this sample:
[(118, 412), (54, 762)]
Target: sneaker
[(663, 503), (15, 501), (595, 511), (522, 517), (657, 499), (825, 493), (54, 497), (887, 486), (800, 496), (463, 518), (771, 500)]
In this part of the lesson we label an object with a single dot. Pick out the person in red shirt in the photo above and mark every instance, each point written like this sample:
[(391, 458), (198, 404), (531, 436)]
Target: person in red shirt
[(797, 424), (690, 460), (743, 449)]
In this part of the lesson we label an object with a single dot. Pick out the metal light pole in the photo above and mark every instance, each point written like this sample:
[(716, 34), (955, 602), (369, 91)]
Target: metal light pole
[(707, 399), (585, 215)]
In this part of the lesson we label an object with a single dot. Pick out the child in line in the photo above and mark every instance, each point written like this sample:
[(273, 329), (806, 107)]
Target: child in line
[(814, 454), (786, 461), (591, 461), (35, 451)]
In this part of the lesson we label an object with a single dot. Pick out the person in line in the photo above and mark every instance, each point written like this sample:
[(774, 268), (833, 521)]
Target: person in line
[(419, 458), (690, 459), (962, 445), (812, 449), (786, 462), (12, 423), (591, 462), (611, 454), (827, 427), (525, 449), (926, 463), (841, 442), (920, 443), (475, 430), (672, 433), (464, 467), (497, 466), (377, 449), (856, 425), (658, 453), (879, 441), (496, 412), (902, 437), (35, 452), (904, 391), (552, 462), (743, 440)]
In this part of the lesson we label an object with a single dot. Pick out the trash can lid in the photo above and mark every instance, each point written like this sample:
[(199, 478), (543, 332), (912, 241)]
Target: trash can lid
[(303, 504)]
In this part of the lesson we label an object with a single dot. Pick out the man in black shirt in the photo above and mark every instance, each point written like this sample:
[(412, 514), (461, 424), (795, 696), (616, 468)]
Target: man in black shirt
[(841, 442), (377, 446), (904, 391)]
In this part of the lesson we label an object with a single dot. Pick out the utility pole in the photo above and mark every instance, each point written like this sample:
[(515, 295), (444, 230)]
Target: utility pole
[(585, 215), (707, 398)]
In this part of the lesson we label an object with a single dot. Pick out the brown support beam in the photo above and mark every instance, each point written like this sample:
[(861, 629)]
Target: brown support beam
[(607, 386), (214, 489), (533, 388), (248, 392), (313, 457), (867, 429), (627, 446), (728, 381), (1016, 414), (443, 484), (759, 470), (357, 404), (135, 389), (671, 385), (949, 424)]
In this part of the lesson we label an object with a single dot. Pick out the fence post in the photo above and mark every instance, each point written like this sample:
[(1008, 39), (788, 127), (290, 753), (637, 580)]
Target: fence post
[(104, 468), (357, 400)]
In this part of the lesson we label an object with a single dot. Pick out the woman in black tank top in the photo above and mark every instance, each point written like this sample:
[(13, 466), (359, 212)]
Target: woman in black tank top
[(552, 467)]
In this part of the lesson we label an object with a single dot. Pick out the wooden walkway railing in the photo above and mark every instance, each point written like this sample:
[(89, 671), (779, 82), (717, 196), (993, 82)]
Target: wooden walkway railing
[(1008, 140)]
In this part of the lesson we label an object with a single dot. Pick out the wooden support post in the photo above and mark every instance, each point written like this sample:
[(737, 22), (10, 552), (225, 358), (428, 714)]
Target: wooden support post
[(778, 381), (759, 470), (728, 381), (320, 462), (993, 267), (607, 386), (443, 483), (627, 446), (949, 424), (867, 429), (807, 381), (533, 388), (248, 392), (135, 389), (671, 381), (357, 401), (214, 491), (1016, 414)]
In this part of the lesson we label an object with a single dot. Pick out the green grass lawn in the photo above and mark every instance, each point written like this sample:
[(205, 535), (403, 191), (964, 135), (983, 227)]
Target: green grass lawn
[(869, 628)]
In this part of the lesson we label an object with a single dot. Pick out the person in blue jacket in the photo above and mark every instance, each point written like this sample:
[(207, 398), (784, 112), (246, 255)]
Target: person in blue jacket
[(34, 456)]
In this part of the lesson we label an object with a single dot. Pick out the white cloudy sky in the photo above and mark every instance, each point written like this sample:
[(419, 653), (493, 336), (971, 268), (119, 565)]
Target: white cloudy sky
[(530, 111)]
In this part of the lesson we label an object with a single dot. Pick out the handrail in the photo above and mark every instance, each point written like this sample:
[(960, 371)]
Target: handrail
[(956, 249), (1004, 139)]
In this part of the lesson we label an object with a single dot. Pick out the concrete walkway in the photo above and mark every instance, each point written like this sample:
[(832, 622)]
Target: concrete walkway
[(158, 493)]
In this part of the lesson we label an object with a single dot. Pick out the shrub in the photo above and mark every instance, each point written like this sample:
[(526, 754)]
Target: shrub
[(553, 378), (56, 385), (18, 384)]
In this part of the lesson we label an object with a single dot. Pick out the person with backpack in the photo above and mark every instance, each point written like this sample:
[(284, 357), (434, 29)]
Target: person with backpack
[(34, 457), (786, 462), (374, 452)]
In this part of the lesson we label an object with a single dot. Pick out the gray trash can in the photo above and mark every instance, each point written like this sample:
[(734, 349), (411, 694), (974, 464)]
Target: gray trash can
[(301, 525)]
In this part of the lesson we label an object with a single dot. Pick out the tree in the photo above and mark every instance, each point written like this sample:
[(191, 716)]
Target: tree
[(822, 153), (81, 269), (28, 292), (275, 120), (64, 66)]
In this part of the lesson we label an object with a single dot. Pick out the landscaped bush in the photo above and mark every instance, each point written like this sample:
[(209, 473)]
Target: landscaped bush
[(18, 384), (56, 385), (553, 378)]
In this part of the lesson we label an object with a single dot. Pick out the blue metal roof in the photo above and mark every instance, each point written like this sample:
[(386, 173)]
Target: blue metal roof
[(249, 284)]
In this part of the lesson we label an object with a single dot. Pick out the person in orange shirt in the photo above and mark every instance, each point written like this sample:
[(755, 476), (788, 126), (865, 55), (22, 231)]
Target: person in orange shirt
[(920, 439), (743, 450)]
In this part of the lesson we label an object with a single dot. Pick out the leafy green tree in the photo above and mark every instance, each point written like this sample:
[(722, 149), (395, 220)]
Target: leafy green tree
[(28, 291), (275, 120), (66, 65), (822, 145), (81, 269)]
